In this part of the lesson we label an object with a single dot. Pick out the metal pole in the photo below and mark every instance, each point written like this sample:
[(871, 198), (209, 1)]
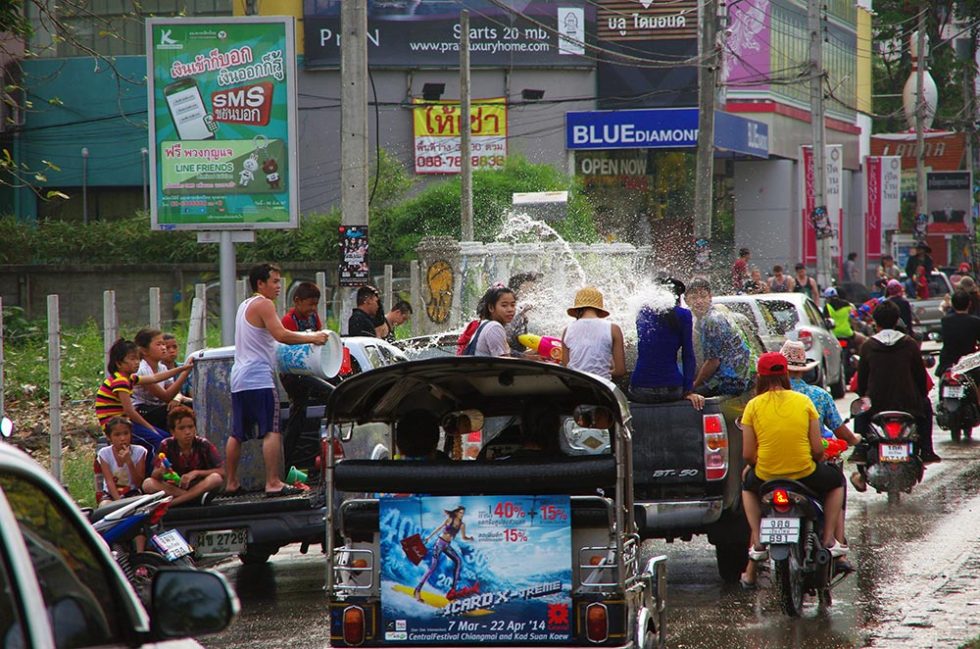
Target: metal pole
[(146, 185), (228, 305), (242, 290), (54, 384), (389, 291), (154, 307), (321, 306), (415, 288), (85, 185), (465, 159), (819, 141), (970, 102), (110, 330), (704, 176), (919, 61)]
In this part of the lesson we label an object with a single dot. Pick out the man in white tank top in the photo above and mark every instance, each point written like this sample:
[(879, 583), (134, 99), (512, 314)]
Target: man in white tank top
[(592, 343), (254, 400)]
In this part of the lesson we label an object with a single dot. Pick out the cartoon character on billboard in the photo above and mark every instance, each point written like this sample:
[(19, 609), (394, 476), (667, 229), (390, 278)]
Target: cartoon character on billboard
[(447, 531), (249, 167)]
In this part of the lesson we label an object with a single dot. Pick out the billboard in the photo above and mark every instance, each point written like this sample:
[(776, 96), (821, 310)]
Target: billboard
[(835, 211), (464, 569), (949, 202), (425, 33), (436, 126), (746, 53), (222, 123), (883, 177)]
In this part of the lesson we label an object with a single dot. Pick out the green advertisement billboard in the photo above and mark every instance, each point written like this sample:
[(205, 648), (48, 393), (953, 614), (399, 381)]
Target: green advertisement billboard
[(222, 123)]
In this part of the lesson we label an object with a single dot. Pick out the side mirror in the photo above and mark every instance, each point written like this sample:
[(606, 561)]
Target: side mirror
[(189, 603), (593, 417), (860, 406), (738, 423), (930, 361), (935, 336), (6, 427)]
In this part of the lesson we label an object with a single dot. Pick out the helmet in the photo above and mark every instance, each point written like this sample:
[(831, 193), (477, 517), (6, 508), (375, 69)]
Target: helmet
[(830, 291)]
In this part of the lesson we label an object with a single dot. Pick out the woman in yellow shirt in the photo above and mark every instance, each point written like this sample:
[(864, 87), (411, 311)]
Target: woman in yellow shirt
[(781, 438)]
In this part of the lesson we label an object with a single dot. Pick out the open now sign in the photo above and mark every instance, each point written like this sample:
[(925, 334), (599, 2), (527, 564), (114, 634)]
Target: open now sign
[(251, 104)]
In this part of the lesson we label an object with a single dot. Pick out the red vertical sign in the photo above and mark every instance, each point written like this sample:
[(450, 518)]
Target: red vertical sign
[(807, 195), (872, 221)]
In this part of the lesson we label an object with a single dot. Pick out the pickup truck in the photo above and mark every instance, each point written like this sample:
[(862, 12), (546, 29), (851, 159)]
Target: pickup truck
[(929, 312), (250, 525)]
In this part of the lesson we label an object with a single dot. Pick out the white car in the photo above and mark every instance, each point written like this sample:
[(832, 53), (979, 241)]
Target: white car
[(793, 316)]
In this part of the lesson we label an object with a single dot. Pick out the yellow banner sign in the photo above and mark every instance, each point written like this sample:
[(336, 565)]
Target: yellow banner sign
[(436, 129)]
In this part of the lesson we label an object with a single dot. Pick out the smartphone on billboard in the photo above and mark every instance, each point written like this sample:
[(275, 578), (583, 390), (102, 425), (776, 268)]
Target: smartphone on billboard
[(187, 110)]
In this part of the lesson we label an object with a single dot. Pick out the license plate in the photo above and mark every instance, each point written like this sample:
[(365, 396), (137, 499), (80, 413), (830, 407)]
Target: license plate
[(780, 530), (953, 391), (894, 452), (171, 544), (222, 542)]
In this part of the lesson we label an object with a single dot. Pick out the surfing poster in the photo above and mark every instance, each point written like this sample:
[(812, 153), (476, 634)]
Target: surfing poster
[(492, 569)]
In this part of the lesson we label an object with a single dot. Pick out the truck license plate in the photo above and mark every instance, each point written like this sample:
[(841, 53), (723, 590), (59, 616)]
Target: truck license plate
[(221, 542), (780, 530), (171, 544), (953, 392), (894, 452)]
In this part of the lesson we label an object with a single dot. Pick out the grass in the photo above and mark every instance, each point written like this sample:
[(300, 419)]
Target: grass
[(77, 476)]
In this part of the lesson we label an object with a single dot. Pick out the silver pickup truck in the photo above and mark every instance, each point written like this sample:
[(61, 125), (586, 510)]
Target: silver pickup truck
[(929, 312)]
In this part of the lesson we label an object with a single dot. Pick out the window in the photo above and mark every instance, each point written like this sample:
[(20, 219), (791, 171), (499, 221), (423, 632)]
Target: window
[(743, 309), (81, 601), (812, 312), (11, 629), (785, 315)]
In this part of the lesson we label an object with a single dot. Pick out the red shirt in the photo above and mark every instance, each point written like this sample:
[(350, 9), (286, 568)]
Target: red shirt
[(294, 323)]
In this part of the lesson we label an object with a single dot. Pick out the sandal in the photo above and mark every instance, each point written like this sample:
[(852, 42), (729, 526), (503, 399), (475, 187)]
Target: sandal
[(758, 555), (286, 490), (838, 549), (747, 585), (233, 492)]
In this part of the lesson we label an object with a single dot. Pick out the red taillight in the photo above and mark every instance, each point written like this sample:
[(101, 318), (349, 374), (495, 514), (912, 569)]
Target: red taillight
[(596, 622), (780, 500), (159, 512), (807, 339), (953, 379), (715, 447), (893, 429), (843, 343), (353, 625)]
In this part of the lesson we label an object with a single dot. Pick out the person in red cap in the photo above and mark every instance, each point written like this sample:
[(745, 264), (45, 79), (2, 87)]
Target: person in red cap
[(781, 437)]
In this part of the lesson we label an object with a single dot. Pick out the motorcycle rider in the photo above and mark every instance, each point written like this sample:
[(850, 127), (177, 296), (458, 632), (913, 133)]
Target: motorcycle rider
[(839, 310), (892, 375), (960, 332)]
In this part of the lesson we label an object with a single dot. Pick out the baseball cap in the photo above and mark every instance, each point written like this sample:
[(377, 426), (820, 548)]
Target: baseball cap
[(830, 291), (772, 364)]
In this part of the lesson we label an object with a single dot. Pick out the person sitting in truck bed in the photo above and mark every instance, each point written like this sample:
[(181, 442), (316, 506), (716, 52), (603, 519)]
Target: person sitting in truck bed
[(193, 459), (727, 365)]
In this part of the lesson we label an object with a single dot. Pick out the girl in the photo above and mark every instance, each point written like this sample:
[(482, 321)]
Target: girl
[(496, 310), (447, 531), (114, 397), (123, 464), (592, 343), (154, 400)]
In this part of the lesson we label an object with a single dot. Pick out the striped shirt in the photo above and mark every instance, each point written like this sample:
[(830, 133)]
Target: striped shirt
[(107, 402)]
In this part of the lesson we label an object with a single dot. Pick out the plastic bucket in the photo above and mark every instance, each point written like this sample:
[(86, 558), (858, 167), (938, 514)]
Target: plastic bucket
[(322, 361)]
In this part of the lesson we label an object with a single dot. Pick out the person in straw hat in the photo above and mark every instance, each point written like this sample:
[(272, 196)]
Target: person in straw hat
[(592, 343)]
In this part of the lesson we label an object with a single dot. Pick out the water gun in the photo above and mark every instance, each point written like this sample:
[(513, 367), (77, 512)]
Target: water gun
[(168, 470), (833, 447), (546, 347)]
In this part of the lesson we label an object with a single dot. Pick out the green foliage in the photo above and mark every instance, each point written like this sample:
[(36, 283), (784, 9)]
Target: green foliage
[(26, 361), (76, 473)]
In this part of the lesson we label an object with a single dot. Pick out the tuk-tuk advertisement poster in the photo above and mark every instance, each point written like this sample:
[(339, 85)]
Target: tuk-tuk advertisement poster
[(222, 123), (476, 569)]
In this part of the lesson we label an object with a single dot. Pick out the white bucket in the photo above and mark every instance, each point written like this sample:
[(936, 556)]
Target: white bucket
[(322, 361)]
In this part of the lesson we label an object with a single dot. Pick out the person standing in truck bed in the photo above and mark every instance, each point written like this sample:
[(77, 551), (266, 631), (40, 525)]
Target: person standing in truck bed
[(727, 365)]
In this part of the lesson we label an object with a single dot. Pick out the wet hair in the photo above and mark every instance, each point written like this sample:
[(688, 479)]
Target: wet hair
[(403, 306), (417, 433), (699, 284), (765, 384), (960, 300), (777, 269), (118, 420), (145, 336), (365, 293), (118, 353), (517, 281), (886, 315), (306, 291), (744, 252), (261, 273), (178, 413), (490, 299)]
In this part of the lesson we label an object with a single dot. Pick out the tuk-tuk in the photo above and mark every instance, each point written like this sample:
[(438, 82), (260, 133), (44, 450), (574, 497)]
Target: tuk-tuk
[(511, 524)]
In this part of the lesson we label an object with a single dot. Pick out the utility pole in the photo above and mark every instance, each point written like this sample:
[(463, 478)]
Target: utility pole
[(466, 160), (353, 122), (919, 62), (970, 105), (820, 217), (704, 175)]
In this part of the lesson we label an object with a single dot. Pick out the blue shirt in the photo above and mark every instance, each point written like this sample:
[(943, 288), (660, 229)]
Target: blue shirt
[(656, 364), (721, 339), (824, 403)]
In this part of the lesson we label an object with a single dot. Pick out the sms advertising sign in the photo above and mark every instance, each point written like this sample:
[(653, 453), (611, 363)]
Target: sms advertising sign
[(436, 127), (419, 33), (222, 123)]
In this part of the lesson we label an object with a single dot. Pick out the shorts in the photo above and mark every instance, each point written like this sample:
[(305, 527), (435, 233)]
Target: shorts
[(824, 478), (254, 413)]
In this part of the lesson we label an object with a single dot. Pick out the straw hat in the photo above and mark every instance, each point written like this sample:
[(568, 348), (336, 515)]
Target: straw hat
[(795, 354), (588, 298)]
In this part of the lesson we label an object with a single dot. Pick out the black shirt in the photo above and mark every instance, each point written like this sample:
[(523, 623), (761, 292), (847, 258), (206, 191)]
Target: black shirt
[(913, 264), (905, 311), (961, 334), (360, 324)]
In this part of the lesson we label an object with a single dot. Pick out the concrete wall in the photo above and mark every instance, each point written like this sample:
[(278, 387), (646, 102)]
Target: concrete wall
[(767, 212)]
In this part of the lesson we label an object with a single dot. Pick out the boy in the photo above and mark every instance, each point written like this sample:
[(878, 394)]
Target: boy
[(303, 315), (193, 458)]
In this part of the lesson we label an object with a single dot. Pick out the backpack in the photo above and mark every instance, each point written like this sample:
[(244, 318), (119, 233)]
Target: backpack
[(462, 344)]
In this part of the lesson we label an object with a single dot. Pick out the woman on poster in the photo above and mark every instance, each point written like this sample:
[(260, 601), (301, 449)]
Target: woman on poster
[(447, 531)]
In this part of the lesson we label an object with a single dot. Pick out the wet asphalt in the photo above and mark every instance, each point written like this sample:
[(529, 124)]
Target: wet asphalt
[(917, 583)]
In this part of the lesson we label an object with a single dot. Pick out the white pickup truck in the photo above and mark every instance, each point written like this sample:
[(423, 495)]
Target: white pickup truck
[(929, 311)]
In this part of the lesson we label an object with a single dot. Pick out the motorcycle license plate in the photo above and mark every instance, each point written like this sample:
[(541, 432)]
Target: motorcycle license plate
[(221, 542), (171, 544), (780, 530), (894, 452), (953, 391)]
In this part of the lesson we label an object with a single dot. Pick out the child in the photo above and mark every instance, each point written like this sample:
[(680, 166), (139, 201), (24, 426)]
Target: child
[(114, 397), (152, 400), (303, 315), (122, 462), (592, 343), (496, 310), (193, 458), (170, 357)]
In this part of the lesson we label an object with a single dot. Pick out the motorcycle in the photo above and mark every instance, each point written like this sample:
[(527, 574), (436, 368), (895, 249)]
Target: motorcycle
[(892, 463), (121, 522), (958, 410)]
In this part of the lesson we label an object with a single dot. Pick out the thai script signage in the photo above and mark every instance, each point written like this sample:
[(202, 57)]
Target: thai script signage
[(436, 128), (835, 211)]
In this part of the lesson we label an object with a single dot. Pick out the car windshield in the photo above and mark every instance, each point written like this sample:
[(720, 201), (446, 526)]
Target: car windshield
[(783, 313)]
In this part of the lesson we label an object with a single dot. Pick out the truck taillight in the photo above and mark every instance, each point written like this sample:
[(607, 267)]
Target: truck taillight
[(353, 625), (807, 339), (597, 622), (715, 447)]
